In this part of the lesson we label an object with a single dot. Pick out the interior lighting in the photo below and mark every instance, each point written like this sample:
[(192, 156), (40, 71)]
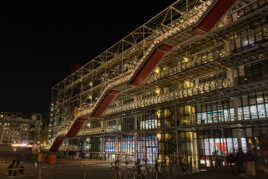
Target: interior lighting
[(157, 70), (157, 91), (185, 59), (22, 145), (158, 136)]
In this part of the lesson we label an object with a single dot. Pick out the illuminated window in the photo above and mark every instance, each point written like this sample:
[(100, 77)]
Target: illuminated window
[(157, 70), (185, 59), (188, 84), (157, 91)]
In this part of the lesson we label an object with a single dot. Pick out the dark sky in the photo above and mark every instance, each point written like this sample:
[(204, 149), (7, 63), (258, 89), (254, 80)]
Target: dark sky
[(38, 44)]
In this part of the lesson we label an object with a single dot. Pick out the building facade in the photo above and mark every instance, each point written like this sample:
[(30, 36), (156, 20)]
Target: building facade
[(20, 128), (207, 96)]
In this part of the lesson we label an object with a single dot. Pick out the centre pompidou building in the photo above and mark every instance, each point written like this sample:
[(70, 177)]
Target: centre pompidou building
[(189, 84)]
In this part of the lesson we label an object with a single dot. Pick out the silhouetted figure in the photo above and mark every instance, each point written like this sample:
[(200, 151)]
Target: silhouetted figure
[(156, 167), (240, 157), (230, 159), (16, 167), (21, 169), (11, 167), (138, 167)]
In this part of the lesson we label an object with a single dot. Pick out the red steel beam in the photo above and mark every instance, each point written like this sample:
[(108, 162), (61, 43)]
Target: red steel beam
[(149, 65), (108, 98), (76, 127), (56, 144), (213, 16)]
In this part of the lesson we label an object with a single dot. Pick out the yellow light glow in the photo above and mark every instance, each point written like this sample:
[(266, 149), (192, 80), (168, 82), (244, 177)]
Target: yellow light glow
[(167, 136), (158, 113), (21, 145), (188, 84), (165, 68), (157, 91), (166, 113), (188, 109), (157, 70), (250, 141), (185, 59), (158, 136)]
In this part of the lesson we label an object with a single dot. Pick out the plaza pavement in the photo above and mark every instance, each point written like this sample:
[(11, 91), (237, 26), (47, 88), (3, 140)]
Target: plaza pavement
[(74, 169)]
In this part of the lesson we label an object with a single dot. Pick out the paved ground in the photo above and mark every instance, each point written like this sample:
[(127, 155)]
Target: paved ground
[(62, 171), (100, 170)]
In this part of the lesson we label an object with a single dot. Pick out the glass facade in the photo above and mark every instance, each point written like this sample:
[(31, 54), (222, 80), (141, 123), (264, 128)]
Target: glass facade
[(192, 107)]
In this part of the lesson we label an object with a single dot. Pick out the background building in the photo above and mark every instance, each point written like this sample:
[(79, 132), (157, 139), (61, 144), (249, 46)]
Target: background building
[(20, 128), (208, 95)]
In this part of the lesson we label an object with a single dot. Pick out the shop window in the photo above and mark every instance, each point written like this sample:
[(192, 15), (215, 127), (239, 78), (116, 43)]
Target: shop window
[(244, 144)]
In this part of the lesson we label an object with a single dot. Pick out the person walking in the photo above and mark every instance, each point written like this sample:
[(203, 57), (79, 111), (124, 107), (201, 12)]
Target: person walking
[(21, 168), (240, 160), (11, 167), (16, 167)]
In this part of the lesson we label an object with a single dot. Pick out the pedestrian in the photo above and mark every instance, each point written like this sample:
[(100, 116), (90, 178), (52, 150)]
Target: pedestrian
[(250, 158), (11, 167), (16, 167), (156, 167), (230, 160), (138, 167), (21, 168), (217, 161), (240, 159)]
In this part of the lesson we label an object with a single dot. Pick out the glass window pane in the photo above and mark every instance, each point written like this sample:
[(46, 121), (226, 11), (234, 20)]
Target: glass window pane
[(246, 113), (210, 116), (253, 110), (261, 110), (232, 115), (240, 113), (204, 117)]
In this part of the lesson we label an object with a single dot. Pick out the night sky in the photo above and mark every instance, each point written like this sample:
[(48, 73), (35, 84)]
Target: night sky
[(38, 45)]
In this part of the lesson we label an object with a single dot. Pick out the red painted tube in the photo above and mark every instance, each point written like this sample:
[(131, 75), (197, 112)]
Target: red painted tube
[(76, 127), (150, 64), (56, 144), (108, 98), (213, 16)]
